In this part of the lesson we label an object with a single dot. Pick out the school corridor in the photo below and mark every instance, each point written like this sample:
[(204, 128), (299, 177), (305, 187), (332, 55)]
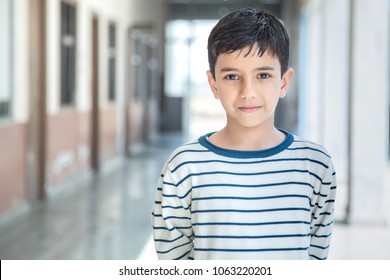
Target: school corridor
[(107, 216), (94, 96)]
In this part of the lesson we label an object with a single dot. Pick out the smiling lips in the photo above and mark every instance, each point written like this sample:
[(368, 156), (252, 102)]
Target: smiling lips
[(249, 109)]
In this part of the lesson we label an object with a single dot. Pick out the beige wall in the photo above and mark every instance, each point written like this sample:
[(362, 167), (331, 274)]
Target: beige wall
[(68, 134), (12, 166)]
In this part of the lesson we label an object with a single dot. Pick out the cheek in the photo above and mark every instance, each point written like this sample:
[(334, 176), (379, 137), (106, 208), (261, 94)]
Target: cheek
[(226, 98), (271, 91)]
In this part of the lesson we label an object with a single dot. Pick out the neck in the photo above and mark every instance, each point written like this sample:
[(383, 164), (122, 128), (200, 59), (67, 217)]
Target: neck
[(243, 138)]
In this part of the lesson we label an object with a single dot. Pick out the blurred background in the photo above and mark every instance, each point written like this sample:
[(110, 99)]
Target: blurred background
[(95, 94)]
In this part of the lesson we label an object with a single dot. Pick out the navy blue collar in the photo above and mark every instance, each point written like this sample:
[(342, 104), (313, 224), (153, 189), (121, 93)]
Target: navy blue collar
[(203, 140)]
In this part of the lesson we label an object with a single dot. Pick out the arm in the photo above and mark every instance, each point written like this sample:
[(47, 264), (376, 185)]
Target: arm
[(171, 218), (322, 215)]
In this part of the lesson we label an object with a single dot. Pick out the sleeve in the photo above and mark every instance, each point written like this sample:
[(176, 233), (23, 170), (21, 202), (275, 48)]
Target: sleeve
[(171, 218), (323, 215)]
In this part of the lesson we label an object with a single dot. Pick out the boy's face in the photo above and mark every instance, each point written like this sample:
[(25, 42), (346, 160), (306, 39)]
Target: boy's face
[(249, 86)]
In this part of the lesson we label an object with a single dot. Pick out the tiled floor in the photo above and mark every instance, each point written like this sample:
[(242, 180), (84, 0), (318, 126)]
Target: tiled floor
[(360, 242), (107, 216), (104, 216)]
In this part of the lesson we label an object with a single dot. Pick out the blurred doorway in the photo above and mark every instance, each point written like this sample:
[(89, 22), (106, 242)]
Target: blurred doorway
[(186, 67)]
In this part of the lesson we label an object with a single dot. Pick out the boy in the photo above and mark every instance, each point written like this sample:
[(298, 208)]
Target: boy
[(249, 190)]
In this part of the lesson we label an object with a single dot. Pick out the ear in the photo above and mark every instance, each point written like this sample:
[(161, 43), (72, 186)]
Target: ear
[(213, 84), (286, 79)]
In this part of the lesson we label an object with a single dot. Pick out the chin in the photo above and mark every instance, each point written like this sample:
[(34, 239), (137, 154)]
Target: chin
[(251, 125)]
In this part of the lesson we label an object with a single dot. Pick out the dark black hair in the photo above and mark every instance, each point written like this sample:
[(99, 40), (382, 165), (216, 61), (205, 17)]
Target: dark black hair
[(249, 27)]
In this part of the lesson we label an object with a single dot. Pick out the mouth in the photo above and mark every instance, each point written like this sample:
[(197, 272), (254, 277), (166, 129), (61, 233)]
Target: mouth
[(249, 109)]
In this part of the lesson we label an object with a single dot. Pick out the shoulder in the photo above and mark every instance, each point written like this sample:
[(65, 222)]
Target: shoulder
[(307, 146), (186, 155), (317, 157), (190, 150), (312, 152)]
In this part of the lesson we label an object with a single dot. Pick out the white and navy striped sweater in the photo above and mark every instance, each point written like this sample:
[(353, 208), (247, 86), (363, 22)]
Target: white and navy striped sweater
[(214, 203)]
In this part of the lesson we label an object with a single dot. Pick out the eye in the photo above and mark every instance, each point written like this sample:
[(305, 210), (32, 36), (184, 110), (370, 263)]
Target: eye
[(231, 77), (263, 76)]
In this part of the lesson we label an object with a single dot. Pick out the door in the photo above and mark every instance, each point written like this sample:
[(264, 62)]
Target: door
[(95, 162)]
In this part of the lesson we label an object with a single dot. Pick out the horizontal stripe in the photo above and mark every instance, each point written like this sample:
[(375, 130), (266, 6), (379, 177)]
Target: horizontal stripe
[(319, 194), (178, 196), (167, 240), (252, 186), (171, 229), (325, 213), (250, 236), (177, 217), (250, 210), (308, 148), (307, 143), (175, 207), (249, 224), (324, 225), (250, 250), (322, 236), (187, 151), (167, 251), (182, 256), (319, 247), (246, 162), (246, 174), (249, 198), (316, 257)]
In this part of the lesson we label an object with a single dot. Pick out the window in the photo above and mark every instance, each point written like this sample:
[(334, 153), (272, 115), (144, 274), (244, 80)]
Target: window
[(136, 62), (111, 61), (5, 57), (68, 53), (186, 56), (177, 53)]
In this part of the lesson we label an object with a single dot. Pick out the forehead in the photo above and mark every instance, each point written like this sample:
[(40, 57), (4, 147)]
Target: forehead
[(247, 58)]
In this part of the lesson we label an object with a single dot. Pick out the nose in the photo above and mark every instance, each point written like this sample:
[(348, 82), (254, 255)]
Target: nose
[(247, 90)]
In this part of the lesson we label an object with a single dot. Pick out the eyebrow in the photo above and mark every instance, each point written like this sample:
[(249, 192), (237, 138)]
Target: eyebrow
[(263, 68)]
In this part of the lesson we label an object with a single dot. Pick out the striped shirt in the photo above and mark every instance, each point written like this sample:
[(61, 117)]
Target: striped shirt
[(214, 203)]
